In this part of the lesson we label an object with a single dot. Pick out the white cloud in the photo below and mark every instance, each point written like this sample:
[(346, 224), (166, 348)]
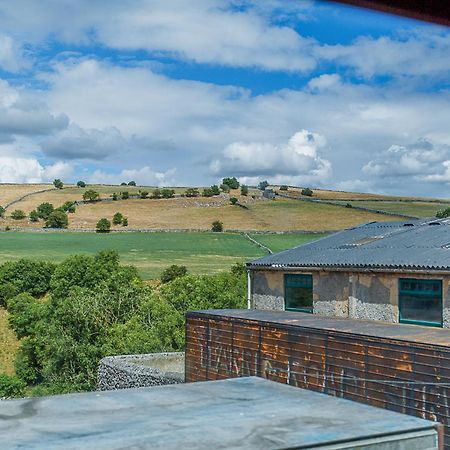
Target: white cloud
[(145, 176), (11, 55), (297, 160)]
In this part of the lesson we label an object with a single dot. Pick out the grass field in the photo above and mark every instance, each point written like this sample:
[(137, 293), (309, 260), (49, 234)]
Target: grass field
[(9, 344)]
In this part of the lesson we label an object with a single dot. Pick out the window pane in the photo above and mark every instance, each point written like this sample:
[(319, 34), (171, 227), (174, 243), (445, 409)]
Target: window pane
[(299, 298)]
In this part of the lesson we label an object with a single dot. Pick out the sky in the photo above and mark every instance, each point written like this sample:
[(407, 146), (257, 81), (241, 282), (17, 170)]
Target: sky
[(177, 92)]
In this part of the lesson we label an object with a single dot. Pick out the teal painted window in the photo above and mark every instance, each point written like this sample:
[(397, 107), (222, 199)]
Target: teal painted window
[(420, 301), (298, 293)]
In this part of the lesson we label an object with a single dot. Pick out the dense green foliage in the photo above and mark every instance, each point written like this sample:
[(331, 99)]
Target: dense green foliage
[(125, 222), (11, 387), (18, 214), (192, 192), (217, 226), (68, 206), (172, 272), (143, 194), (125, 195), (44, 210), (103, 225), (225, 187), (58, 183), (167, 193), (233, 200), (233, 183), (117, 218), (90, 195), (263, 184), (207, 192), (244, 189), (34, 216), (215, 189), (81, 184), (442, 213), (57, 219), (95, 307), (132, 183)]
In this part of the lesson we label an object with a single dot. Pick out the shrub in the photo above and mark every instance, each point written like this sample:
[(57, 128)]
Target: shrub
[(233, 200), (217, 226), (103, 226), (244, 189), (58, 183), (167, 193), (114, 196), (143, 194), (173, 272), (348, 205), (81, 184), (34, 216), (68, 207), (132, 183), (192, 192), (225, 187), (117, 218), (24, 313), (11, 387), (8, 290), (57, 219), (442, 213), (125, 222), (156, 194), (215, 189), (91, 195), (44, 210), (307, 192), (2, 211), (283, 187), (262, 185), (125, 195), (233, 183), (18, 214)]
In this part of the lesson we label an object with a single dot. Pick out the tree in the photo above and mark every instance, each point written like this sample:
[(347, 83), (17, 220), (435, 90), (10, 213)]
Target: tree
[(11, 387), (91, 195), (103, 226), (2, 211), (207, 192), (233, 183), (81, 184), (192, 192), (123, 183), (167, 193), (18, 214), (44, 210), (156, 194), (442, 213), (125, 195), (143, 194), (215, 189), (125, 222), (173, 272), (68, 206), (34, 216), (244, 189), (307, 192), (58, 183), (132, 183), (262, 185), (217, 226), (233, 200), (57, 219), (225, 187), (117, 218), (114, 196)]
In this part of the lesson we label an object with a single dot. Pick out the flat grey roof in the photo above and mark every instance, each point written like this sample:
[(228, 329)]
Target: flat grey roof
[(244, 413), (413, 245)]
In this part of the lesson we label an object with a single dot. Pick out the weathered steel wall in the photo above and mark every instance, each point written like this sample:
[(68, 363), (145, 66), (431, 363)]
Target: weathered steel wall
[(357, 295), (391, 373)]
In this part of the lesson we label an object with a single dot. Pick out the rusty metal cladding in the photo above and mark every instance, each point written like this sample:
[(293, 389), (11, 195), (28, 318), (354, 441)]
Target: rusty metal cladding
[(403, 368)]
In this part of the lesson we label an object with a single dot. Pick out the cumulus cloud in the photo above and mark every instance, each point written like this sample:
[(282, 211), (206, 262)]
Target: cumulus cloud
[(30, 170), (297, 160), (11, 55), (145, 176)]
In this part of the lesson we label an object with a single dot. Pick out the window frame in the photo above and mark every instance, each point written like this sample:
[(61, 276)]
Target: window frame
[(422, 294), (292, 280)]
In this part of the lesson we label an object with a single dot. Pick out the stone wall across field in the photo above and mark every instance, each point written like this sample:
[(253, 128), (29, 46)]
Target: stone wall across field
[(130, 371)]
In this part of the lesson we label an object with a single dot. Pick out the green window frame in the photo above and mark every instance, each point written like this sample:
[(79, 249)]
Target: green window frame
[(298, 292), (420, 301)]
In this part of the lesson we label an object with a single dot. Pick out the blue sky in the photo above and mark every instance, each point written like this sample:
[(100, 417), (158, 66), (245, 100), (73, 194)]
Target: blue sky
[(184, 93)]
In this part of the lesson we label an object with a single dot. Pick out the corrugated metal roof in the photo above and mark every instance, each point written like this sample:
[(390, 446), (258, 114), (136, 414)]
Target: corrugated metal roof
[(419, 244)]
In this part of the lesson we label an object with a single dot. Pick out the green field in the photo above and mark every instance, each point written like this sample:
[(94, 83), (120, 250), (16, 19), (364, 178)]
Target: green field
[(416, 209), (149, 252), (279, 242)]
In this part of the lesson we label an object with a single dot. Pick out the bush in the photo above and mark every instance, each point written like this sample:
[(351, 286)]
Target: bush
[(232, 183), (225, 188), (217, 226), (244, 189), (262, 185), (57, 219), (307, 192), (143, 194), (117, 218), (103, 226), (207, 192), (58, 183), (283, 187), (442, 213), (81, 184), (233, 200), (18, 214), (192, 192), (44, 210), (125, 195), (2, 211), (125, 222), (114, 196), (91, 195), (167, 193), (25, 312), (11, 387), (34, 216), (173, 272), (68, 207), (156, 194), (215, 189), (132, 183)]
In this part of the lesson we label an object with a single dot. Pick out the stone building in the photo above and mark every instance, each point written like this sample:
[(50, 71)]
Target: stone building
[(392, 271)]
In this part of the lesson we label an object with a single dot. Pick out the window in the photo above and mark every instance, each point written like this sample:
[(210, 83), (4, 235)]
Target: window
[(420, 301), (298, 295)]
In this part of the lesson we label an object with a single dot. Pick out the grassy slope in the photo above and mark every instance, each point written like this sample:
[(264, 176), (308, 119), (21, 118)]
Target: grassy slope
[(8, 344)]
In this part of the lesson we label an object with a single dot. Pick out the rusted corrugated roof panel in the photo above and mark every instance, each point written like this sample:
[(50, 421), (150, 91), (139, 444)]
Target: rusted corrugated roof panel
[(416, 245)]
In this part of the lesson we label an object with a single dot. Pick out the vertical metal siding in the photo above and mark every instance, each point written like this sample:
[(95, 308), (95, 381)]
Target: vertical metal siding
[(362, 368)]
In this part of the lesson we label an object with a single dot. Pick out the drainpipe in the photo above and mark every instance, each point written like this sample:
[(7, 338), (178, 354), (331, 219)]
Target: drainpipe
[(249, 290)]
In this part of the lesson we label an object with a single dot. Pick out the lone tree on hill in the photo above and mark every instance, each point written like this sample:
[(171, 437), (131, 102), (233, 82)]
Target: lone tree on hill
[(58, 183), (117, 218), (57, 219), (103, 226), (81, 184), (217, 226), (132, 183), (233, 183), (91, 195), (44, 210)]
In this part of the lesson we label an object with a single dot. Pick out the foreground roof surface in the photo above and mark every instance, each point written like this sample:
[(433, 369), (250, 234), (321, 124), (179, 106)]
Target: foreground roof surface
[(250, 413), (412, 244)]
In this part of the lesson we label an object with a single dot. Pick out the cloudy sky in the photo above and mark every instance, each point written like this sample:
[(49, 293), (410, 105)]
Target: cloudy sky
[(177, 92)]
